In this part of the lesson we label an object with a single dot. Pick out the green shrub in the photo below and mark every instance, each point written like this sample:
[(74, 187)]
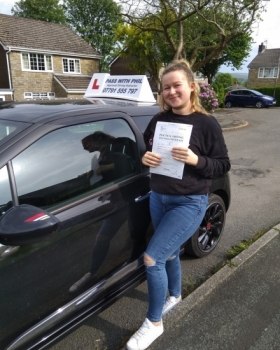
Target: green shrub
[(220, 91), (222, 81)]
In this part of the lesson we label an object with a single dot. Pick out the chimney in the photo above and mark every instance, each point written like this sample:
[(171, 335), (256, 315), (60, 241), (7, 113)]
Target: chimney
[(261, 48)]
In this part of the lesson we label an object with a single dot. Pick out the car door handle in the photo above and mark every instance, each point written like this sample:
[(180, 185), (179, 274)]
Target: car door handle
[(141, 198)]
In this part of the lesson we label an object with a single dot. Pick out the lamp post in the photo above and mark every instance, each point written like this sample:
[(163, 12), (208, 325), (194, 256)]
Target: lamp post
[(277, 75)]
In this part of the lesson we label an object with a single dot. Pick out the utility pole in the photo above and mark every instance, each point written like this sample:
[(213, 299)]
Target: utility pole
[(277, 75)]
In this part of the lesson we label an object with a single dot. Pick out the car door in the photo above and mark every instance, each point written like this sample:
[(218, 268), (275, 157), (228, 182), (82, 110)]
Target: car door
[(103, 228), (245, 98), (235, 97)]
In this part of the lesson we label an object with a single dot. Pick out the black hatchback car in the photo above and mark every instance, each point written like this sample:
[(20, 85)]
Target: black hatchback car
[(246, 97), (71, 237)]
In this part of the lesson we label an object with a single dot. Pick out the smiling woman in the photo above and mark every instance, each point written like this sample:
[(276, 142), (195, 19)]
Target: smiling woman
[(177, 204)]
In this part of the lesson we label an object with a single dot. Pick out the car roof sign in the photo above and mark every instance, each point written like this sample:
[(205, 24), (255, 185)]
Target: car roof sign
[(127, 87)]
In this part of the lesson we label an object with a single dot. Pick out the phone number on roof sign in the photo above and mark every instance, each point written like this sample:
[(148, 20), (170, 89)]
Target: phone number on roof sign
[(119, 91)]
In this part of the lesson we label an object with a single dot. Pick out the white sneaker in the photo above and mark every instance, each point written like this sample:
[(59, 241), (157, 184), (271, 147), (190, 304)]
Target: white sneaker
[(170, 303), (145, 335)]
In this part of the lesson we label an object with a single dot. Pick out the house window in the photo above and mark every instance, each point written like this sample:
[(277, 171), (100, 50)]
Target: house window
[(36, 62), (28, 95), (39, 95), (268, 72), (71, 65)]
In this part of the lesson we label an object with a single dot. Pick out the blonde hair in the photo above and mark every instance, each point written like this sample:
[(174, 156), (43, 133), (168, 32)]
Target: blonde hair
[(184, 66)]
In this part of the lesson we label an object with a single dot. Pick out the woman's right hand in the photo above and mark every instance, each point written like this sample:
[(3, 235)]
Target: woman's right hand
[(151, 159)]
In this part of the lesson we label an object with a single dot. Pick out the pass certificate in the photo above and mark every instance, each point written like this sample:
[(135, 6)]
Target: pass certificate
[(167, 136)]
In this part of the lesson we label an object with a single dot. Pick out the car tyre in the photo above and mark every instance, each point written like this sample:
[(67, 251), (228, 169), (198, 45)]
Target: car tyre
[(228, 104), (259, 104), (207, 237)]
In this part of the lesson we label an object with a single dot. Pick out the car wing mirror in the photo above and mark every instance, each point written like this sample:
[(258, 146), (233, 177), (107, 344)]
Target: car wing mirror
[(26, 224)]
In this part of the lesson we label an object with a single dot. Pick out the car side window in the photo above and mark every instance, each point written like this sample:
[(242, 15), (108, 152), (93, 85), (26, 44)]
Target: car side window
[(5, 191), (72, 162), (246, 92)]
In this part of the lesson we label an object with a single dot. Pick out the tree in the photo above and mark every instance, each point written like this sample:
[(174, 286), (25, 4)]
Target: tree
[(198, 30), (234, 55), (95, 21), (144, 47), (224, 79), (47, 10)]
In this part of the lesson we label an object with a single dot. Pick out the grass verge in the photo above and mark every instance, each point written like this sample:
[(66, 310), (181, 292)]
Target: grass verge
[(190, 286), (243, 245)]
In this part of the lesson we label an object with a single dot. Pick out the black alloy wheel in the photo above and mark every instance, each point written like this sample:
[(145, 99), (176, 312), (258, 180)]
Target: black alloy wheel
[(206, 238)]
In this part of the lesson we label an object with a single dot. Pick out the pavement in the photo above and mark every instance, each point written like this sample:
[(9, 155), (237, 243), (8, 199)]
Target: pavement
[(229, 119), (238, 308)]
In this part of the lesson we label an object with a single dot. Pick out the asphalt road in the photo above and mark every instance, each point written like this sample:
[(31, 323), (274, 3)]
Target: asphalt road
[(255, 174)]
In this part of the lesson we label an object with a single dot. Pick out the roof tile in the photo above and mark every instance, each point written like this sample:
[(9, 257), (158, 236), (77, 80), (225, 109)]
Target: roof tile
[(40, 35), (74, 82), (268, 58)]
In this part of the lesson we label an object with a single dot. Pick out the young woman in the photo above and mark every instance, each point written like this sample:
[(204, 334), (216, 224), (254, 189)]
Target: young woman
[(177, 206)]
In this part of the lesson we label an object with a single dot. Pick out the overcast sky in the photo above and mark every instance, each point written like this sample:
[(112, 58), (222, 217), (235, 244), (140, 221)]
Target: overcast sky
[(5, 6), (267, 30)]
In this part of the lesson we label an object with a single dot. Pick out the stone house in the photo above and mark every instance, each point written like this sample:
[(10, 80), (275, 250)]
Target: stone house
[(264, 68), (43, 60)]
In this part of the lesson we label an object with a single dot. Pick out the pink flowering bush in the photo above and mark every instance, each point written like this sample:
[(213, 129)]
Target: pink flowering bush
[(208, 97)]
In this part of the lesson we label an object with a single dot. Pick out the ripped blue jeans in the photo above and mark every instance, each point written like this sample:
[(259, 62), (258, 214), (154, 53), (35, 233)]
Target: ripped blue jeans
[(175, 219)]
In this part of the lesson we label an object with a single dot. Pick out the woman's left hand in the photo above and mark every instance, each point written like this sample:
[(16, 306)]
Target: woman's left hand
[(184, 155)]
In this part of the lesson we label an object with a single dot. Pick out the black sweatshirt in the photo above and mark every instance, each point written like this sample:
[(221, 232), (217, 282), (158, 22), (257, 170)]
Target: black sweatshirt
[(206, 141)]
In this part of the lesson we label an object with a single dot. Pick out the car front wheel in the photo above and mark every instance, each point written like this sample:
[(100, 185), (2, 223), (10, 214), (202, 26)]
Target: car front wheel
[(259, 104), (206, 238), (228, 104)]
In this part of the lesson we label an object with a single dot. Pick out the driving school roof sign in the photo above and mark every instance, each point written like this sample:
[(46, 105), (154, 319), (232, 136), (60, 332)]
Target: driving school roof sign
[(128, 87)]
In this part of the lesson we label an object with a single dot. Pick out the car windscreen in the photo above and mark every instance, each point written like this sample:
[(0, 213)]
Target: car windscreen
[(256, 92), (9, 129)]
